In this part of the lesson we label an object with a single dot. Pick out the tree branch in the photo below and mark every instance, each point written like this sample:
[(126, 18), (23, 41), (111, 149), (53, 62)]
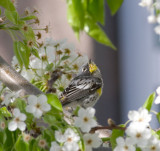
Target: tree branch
[(14, 81)]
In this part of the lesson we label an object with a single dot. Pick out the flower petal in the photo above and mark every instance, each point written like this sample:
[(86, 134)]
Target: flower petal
[(30, 109), (42, 99), (37, 113), (46, 107), (22, 117), (12, 126), (21, 126), (32, 100), (16, 112)]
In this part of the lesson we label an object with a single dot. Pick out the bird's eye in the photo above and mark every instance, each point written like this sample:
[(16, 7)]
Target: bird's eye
[(84, 69)]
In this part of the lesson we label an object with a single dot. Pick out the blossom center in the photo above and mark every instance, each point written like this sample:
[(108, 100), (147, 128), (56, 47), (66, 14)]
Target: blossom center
[(138, 135), (153, 148), (38, 106), (126, 147), (85, 119), (140, 119), (69, 139), (17, 119), (89, 142)]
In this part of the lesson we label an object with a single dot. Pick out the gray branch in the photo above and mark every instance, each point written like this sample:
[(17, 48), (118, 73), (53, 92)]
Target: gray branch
[(14, 81)]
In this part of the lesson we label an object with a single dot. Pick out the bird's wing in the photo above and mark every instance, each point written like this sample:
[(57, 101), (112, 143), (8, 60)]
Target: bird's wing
[(80, 87)]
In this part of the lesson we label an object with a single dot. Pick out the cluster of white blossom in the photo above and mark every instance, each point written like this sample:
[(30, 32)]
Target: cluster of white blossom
[(153, 6), (53, 55), (69, 140), (36, 105), (139, 133)]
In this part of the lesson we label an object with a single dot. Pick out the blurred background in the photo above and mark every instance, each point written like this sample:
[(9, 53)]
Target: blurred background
[(130, 74)]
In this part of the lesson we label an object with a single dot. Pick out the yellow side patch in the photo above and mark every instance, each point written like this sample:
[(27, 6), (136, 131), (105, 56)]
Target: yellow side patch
[(92, 68), (99, 91), (62, 98)]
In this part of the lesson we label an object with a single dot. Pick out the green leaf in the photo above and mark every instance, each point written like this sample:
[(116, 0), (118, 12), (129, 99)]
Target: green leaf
[(50, 119), (1, 147), (2, 137), (4, 112), (22, 53), (49, 67), (16, 52), (158, 116), (33, 145), (95, 9), (35, 52), (75, 14), (28, 18), (21, 104), (48, 135), (9, 142), (20, 145), (0, 11), (114, 5), (115, 134), (148, 103), (158, 134), (138, 149), (7, 4), (95, 31), (65, 57), (29, 34), (54, 101), (12, 16)]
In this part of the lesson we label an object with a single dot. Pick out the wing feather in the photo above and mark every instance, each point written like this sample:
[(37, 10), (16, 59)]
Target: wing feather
[(79, 88)]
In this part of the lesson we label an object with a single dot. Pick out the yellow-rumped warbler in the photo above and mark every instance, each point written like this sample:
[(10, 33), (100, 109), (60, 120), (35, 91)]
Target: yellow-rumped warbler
[(84, 89)]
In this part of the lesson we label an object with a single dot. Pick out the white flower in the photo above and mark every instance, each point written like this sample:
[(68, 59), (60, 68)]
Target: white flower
[(39, 65), (50, 52), (18, 121), (69, 138), (36, 63), (157, 29), (2, 125), (59, 136), (26, 137), (71, 147), (85, 119), (27, 74), (55, 43), (157, 100), (62, 83), (56, 147), (145, 3), (153, 145), (37, 105), (91, 141), (124, 144), (14, 61), (10, 97), (142, 116), (152, 19), (42, 143), (138, 133), (157, 4)]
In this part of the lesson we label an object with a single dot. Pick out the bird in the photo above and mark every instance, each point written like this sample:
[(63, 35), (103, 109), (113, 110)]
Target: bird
[(84, 89)]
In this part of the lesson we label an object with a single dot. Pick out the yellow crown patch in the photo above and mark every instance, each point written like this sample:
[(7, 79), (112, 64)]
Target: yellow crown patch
[(92, 68)]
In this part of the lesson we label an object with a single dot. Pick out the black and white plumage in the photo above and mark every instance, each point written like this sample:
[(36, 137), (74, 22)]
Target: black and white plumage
[(83, 88)]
